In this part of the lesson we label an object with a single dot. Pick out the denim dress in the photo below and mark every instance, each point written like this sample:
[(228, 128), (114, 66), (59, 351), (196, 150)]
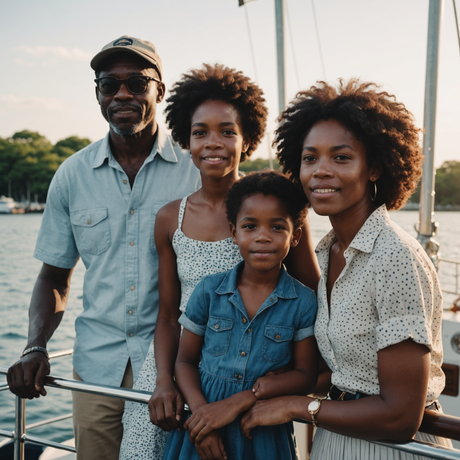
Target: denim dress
[(237, 351)]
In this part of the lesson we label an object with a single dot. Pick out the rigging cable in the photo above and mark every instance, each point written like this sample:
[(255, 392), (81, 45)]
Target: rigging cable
[(292, 45), (250, 42), (270, 153), (319, 41), (456, 23)]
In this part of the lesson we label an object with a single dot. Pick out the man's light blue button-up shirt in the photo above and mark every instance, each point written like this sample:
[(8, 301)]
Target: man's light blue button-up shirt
[(92, 213)]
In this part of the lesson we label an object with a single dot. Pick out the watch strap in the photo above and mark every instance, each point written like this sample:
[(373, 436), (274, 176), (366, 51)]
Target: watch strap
[(314, 412), (34, 349)]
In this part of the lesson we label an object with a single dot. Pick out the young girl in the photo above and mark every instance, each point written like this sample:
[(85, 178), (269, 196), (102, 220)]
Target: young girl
[(241, 324), (220, 115)]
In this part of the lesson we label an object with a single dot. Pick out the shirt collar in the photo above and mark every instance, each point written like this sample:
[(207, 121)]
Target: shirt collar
[(285, 288), (365, 238), (163, 146)]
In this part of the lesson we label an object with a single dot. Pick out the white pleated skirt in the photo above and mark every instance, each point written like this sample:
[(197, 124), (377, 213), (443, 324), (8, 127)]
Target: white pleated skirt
[(333, 446)]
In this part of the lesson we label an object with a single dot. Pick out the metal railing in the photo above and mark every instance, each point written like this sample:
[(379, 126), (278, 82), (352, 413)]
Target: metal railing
[(433, 422), (456, 263)]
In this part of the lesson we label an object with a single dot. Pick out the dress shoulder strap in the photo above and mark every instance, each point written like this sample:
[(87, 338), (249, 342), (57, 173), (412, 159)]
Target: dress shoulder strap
[(182, 211)]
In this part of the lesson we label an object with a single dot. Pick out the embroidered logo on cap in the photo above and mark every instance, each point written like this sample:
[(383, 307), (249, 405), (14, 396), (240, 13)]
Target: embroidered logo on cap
[(123, 42)]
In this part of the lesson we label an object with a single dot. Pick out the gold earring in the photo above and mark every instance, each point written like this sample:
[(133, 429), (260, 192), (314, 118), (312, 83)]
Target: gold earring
[(375, 191)]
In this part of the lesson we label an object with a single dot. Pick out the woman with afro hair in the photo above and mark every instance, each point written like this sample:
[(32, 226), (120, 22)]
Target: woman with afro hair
[(219, 114), (355, 152)]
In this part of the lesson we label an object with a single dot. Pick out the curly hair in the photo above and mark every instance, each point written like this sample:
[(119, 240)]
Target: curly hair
[(216, 82), (267, 183), (383, 125)]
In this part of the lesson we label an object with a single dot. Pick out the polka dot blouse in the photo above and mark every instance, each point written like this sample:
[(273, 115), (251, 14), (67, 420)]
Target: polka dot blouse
[(388, 292)]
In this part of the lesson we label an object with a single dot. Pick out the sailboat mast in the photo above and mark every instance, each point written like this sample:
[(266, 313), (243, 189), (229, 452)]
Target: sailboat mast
[(280, 54), (427, 227)]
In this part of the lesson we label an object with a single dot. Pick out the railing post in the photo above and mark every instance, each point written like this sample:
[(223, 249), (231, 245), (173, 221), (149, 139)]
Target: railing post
[(19, 428), (427, 227)]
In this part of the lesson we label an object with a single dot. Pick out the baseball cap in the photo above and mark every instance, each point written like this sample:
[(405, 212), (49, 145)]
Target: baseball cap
[(133, 45)]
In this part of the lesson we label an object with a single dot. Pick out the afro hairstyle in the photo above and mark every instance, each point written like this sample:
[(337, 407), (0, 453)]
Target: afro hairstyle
[(216, 82), (268, 183), (383, 125)]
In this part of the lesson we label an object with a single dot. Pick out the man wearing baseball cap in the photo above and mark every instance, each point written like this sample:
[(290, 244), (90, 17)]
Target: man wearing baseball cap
[(101, 207)]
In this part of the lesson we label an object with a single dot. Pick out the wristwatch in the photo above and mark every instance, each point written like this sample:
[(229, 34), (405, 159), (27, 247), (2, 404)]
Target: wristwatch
[(313, 409), (33, 349)]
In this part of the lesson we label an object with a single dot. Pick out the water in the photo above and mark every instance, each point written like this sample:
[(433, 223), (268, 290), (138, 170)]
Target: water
[(19, 270)]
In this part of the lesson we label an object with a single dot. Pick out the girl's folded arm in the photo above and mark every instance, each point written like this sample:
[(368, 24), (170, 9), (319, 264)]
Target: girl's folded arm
[(301, 380)]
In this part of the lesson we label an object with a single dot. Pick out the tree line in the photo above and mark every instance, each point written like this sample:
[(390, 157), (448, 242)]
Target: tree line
[(28, 162)]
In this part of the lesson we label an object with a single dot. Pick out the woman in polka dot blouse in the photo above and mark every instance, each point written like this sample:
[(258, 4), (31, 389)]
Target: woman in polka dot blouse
[(355, 151)]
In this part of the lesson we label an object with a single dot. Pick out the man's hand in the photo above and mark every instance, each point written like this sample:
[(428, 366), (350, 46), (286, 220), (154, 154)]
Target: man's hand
[(211, 447), (166, 406), (26, 376)]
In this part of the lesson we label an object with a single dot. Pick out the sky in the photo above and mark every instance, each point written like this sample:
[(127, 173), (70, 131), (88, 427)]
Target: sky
[(47, 83)]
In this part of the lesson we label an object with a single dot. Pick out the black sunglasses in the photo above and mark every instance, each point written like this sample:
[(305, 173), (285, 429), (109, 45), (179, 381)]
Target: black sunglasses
[(136, 84)]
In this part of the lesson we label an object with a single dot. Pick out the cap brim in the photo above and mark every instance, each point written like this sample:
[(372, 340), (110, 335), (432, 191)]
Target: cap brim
[(104, 54)]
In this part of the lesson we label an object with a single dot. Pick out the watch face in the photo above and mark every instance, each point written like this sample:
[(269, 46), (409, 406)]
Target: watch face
[(313, 406)]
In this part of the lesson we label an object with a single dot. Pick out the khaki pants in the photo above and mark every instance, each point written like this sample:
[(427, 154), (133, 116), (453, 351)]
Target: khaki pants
[(97, 422)]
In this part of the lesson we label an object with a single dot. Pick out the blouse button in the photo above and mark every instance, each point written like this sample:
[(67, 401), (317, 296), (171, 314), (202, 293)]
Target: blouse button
[(243, 354), (124, 181), (89, 222), (244, 321), (249, 329), (216, 326), (277, 337)]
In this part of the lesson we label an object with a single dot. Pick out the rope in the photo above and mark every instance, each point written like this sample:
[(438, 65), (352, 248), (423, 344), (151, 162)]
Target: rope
[(456, 23), (319, 41), (292, 44), (250, 43)]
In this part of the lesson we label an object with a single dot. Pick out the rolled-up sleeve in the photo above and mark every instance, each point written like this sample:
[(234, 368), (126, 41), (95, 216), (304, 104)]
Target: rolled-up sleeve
[(307, 315), (55, 244), (405, 299), (195, 317)]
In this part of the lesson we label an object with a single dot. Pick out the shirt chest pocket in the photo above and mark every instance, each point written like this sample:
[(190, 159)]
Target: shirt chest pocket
[(277, 342), (91, 230), (219, 331)]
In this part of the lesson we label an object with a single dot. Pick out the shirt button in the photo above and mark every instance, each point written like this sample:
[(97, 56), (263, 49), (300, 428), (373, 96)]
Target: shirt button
[(130, 312), (132, 288), (244, 321), (236, 376), (132, 244), (277, 337), (240, 377), (243, 354), (249, 329), (132, 211), (216, 326), (271, 299), (89, 222), (124, 181), (131, 334)]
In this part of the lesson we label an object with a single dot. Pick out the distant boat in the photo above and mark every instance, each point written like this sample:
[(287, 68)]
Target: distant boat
[(7, 205)]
